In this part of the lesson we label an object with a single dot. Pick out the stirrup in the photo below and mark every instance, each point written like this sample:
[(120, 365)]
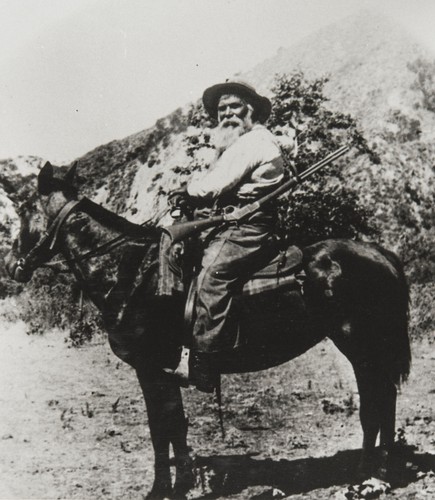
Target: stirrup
[(181, 373)]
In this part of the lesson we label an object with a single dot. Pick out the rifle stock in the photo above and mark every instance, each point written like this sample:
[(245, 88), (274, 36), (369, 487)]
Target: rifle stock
[(179, 232)]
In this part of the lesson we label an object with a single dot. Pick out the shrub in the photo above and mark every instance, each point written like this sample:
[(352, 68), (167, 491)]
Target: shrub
[(424, 83), (53, 300), (422, 315), (326, 206)]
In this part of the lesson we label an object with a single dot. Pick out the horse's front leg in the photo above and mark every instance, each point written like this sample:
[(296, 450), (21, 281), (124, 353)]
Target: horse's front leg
[(184, 478), (168, 425)]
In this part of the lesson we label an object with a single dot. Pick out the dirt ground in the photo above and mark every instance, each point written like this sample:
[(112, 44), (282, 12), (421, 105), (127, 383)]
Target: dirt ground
[(73, 426)]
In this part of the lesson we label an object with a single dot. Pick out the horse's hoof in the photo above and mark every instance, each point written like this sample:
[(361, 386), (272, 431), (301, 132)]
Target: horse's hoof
[(384, 465), (375, 466), (183, 486), (178, 495), (364, 471), (159, 493), (185, 479)]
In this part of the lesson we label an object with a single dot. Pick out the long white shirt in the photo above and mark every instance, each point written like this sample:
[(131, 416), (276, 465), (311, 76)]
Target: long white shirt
[(252, 166)]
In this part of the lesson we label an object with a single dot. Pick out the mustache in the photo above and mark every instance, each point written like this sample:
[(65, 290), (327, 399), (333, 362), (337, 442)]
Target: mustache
[(231, 122)]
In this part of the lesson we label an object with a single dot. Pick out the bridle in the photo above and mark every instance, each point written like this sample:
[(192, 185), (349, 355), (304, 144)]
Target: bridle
[(46, 248), (46, 245)]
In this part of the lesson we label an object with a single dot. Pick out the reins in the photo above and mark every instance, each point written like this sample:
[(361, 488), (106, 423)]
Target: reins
[(129, 231), (48, 241), (103, 249)]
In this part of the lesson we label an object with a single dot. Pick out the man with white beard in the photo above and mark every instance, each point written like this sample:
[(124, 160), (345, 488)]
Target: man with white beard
[(249, 165)]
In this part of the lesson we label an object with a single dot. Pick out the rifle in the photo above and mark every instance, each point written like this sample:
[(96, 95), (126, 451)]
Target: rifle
[(178, 232)]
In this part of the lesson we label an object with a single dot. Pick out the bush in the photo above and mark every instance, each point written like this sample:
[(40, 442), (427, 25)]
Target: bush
[(422, 315), (401, 194), (308, 215), (326, 206), (53, 300), (424, 83)]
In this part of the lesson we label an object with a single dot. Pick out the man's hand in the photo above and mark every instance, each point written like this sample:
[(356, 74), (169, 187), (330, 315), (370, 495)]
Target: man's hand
[(180, 202), (178, 197)]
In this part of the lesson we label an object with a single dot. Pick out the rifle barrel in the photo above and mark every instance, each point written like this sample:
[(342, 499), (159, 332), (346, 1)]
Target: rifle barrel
[(324, 161), (304, 175)]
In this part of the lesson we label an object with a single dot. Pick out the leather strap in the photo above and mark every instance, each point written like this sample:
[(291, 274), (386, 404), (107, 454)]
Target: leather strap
[(45, 247), (114, 221)]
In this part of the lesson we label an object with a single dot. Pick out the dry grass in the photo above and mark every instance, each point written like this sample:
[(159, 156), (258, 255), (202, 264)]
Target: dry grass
[(73, 425)]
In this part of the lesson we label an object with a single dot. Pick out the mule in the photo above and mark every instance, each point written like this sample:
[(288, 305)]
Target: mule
[(355, 294)]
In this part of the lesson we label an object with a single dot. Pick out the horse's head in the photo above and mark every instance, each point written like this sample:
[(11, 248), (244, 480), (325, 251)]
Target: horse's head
[(39, 214)]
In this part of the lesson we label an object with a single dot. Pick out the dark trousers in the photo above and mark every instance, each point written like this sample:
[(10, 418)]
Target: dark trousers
[(231, 257)]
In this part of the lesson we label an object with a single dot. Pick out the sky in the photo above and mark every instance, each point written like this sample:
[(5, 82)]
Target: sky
[(75, 74)]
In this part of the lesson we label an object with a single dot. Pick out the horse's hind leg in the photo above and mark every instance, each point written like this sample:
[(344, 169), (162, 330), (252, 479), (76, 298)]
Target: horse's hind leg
[(367, 381), (377, 413), (387, 403)]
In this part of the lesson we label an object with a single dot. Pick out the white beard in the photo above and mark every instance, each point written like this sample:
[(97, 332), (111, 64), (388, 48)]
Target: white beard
[(226, 134)]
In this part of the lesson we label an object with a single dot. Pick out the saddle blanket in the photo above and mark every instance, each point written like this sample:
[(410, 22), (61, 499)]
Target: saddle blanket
[(279, 273)]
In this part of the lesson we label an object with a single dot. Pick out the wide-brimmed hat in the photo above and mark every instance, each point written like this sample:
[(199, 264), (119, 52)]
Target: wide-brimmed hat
[(261, 104)]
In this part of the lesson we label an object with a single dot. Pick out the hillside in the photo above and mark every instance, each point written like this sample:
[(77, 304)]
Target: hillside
[(376, 73), (366, 59)]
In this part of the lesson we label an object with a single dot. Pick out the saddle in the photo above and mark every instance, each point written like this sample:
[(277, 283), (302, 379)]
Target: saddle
[(175, 274), (279, 273)]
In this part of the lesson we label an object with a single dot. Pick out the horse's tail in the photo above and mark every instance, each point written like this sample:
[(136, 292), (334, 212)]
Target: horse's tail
[(395, 329)]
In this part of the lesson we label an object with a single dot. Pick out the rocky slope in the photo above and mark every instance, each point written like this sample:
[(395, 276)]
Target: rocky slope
[(366, 59), (376, 73)]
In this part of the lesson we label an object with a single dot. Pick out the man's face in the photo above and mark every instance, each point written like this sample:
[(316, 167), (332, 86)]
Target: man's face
[(233, 111), (235, 119)]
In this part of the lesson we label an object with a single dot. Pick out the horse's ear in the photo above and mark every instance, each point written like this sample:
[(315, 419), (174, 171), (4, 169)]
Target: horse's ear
[(70, 175), (45, 179)]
